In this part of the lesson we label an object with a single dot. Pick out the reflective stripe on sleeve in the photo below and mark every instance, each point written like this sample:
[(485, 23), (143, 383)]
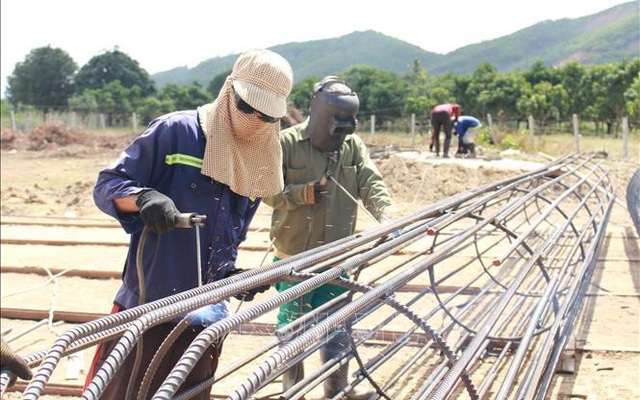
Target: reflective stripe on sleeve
[(184, 159)]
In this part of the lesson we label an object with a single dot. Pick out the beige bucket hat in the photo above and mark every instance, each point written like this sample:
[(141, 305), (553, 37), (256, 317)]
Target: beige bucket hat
[(247, 156), (263, 80)]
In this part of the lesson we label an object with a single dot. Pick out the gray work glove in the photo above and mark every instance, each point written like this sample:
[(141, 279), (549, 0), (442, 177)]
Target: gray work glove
[(249, 294), (158, 212)]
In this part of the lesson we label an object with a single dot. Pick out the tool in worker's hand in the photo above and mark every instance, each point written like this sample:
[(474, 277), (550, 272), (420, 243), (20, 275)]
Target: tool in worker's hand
[(192, 220), (392, 235), (334, 180)]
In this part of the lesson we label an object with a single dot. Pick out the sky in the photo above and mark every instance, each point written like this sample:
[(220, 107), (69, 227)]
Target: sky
[(164, 34)]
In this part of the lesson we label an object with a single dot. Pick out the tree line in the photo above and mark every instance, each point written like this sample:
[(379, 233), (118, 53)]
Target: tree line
[(113, 83)]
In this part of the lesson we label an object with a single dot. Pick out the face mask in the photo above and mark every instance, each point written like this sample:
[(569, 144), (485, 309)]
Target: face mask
[(247, 125), (332, 119)]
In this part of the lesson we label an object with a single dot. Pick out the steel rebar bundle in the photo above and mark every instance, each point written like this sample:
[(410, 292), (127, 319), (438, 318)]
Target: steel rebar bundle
[(476, 298)]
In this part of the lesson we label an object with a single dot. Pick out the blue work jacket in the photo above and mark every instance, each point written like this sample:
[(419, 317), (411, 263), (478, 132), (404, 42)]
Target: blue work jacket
[(464, 123), (168, 157)]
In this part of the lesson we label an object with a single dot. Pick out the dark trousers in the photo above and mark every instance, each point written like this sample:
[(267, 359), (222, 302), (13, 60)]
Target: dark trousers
[(152, 341), (441, 120)]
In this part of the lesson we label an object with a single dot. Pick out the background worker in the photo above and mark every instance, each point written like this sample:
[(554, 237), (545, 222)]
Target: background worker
[(464, 129), (312, 210), (442, 118), (218, 161)]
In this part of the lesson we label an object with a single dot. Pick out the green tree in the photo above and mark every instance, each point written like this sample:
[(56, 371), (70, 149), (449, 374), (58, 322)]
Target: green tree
[(44, 79), (608, 84), (380, 92), (186, 97), (477, 91), (501, 97), (572, 78), (113, 66), (420, 92), (217, 82), (113, 99), (301, 94), (540, 72), (152, 107), (441, 95), (632, 98), (543, 102)]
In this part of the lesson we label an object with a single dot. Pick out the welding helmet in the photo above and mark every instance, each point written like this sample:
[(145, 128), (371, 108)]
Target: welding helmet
[(333, 113)]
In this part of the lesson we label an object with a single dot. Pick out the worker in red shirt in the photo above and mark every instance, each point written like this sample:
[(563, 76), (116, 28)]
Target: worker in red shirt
[(442, 117)]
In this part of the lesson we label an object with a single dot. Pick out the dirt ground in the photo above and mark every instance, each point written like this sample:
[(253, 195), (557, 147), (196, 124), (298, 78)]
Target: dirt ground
[(51, 173)]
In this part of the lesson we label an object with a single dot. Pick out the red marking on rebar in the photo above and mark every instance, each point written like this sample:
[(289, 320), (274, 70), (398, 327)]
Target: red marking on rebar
[(432, 231)]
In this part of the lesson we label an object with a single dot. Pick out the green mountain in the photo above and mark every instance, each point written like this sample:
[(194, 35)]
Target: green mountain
[(607, 36)]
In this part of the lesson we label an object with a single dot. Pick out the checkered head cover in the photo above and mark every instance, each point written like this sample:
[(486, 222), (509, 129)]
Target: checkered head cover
[(243, 151)]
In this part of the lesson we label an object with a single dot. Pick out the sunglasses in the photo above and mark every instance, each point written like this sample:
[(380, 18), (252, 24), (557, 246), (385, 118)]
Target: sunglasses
[(244, 107)]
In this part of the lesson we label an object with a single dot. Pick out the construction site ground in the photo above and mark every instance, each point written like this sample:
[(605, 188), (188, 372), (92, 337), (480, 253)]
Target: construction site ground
[(45, 189)]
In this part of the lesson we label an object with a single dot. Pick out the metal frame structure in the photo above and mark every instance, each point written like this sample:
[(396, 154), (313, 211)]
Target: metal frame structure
[(476, 298)]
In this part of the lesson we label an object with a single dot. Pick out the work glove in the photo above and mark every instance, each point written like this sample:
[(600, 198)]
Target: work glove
[(158, 212), (391, 235), (317, 190), (14, 363), (247, 295)]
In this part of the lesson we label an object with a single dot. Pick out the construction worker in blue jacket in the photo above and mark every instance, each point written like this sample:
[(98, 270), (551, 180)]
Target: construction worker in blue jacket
[(217, 161), (463, 128), (313, 210)]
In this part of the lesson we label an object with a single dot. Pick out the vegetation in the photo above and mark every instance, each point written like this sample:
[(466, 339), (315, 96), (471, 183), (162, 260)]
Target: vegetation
[(114, 85), (601, 38), (44, 79)]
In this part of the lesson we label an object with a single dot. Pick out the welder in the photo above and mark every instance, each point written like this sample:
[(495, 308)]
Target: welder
[(325, 166)]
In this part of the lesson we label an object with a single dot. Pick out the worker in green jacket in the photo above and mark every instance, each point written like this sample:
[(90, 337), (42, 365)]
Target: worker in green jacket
[(323, 158)]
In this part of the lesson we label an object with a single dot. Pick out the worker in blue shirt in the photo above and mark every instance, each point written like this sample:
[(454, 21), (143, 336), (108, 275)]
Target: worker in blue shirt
[(463, 128), (217, 161)]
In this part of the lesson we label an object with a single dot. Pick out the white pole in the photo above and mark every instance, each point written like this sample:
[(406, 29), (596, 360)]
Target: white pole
[(373, 128), (576, 133), (625, 136), (13, 120), (531, 129)]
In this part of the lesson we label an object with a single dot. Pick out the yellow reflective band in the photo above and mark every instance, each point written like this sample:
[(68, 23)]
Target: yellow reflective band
[(171, 159)]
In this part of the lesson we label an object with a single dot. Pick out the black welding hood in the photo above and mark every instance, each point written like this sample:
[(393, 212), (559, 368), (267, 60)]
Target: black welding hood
[(333, 114)]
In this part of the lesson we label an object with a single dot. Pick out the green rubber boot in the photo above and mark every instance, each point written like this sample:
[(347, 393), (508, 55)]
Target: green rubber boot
[(292, 376), (339, 379)]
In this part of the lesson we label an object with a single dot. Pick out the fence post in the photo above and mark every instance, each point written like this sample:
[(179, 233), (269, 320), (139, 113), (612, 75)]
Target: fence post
[(576, 133), (373, 128), (134, 119), (625, 137), (492, 132), (413, 130), (13, 120), (532, 131), (31, 121), (102, 122)]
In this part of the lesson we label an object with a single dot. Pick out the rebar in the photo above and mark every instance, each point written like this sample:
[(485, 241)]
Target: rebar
[(497, 273)]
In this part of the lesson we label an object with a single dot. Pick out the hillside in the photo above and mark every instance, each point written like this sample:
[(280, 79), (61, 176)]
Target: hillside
[(604, 37), (607, 36)]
